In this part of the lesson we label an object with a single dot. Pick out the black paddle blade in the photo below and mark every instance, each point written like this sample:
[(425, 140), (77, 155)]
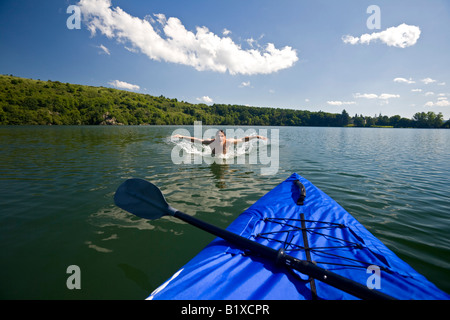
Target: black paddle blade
[(142, 199)]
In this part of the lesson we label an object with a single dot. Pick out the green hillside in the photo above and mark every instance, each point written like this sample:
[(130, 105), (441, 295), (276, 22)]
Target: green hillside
[(35, 102)]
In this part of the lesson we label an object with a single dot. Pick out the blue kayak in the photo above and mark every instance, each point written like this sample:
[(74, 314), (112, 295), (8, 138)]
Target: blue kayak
[(313, 228)]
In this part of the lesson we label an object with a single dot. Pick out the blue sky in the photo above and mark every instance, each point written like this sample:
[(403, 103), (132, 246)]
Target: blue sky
[(307, 55)]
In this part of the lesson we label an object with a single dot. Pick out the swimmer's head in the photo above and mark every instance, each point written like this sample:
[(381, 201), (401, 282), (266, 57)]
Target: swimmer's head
[(220, 135)]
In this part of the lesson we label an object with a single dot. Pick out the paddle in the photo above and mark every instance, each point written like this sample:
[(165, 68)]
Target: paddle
[(145, 200)]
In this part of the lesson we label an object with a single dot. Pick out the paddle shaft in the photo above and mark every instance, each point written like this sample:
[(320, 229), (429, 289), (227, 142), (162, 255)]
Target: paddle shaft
[(352, 287)]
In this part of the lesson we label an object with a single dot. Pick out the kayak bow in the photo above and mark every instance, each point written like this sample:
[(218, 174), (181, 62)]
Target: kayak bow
[(293, 243)]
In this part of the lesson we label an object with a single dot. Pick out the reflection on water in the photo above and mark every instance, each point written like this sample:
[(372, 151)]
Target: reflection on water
[(218, 171), (57, 186), (115, 217)]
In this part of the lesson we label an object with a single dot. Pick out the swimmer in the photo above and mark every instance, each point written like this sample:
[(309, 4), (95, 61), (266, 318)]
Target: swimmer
[(220, 144)]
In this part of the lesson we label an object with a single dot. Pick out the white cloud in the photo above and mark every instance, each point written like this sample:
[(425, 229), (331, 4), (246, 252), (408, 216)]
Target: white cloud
[(429, 93), (201, 49), (403, 80), (384, 97), (401, 36), (131, 49), (428, 80), (205, 99), (441, 84), (124, 85), (251, 42), (366, 95), (442, 102), (226, 32), (350, 39), (244, 84), (416, 90), (104, 49), (340, 103)]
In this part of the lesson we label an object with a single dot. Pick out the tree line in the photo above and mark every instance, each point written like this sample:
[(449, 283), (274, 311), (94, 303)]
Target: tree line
[(35, 102)]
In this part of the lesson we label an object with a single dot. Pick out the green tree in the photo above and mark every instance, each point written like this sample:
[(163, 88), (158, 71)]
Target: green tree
[(394, 120), (358, 121), (345, 118)]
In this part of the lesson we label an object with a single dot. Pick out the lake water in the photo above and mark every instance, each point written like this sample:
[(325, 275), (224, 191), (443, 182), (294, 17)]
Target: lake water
[(57, 186)]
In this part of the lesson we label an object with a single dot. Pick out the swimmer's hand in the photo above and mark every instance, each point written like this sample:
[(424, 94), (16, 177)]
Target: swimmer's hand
[(262, 138)]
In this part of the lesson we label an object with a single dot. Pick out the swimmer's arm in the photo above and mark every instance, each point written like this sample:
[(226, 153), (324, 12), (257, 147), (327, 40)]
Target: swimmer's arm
[(245, 139), (192, 139), (207, 141)]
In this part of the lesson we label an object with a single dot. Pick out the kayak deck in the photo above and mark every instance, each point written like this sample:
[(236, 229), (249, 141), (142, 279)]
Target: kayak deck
[(320, 230)]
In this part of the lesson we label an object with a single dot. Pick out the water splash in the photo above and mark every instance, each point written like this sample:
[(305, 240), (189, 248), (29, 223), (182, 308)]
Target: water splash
[(234, 151)]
